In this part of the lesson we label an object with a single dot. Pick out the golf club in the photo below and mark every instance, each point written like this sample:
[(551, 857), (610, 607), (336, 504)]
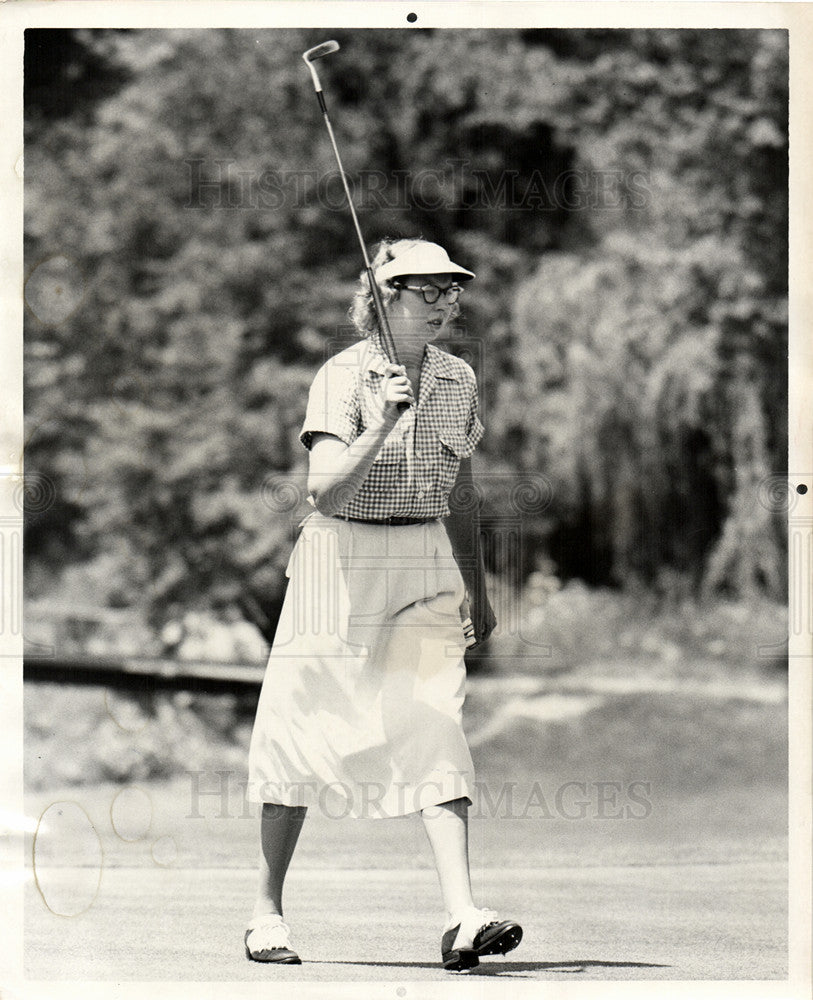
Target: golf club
[(319, 52)]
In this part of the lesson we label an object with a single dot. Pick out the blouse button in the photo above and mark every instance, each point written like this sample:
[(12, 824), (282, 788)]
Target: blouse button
[(421, 494)]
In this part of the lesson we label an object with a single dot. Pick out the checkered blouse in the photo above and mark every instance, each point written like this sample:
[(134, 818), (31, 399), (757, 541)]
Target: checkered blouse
[(417, 464)]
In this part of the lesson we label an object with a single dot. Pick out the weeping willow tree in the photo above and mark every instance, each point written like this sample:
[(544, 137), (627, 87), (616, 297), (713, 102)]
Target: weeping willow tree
[(656, 443), (647, 353), (653, 367), (620, 389)]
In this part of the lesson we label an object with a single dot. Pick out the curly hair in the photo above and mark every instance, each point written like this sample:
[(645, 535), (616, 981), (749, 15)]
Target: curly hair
[(362, 309)]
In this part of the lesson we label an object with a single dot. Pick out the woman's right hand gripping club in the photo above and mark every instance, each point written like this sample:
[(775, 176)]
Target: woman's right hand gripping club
[(396, 394)]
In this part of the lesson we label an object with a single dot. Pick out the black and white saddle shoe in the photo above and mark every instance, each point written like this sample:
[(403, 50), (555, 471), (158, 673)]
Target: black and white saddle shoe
[(268, 939), (473, 933)]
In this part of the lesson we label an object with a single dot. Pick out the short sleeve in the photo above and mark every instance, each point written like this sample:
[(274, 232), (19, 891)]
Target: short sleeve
[(474, 425), (333, 405)]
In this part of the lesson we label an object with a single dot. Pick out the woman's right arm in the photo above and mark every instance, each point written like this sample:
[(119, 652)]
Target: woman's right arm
[(336, 469)]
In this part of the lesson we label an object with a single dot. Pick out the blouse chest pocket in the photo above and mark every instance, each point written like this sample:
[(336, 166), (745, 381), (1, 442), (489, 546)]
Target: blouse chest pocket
[(453, 447), (454, 440)]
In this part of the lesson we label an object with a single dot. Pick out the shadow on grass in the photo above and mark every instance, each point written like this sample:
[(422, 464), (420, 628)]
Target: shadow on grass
[(498, 968)]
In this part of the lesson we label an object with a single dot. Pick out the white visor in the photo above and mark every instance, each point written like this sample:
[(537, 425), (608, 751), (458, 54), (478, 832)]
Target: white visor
[(422, 258)]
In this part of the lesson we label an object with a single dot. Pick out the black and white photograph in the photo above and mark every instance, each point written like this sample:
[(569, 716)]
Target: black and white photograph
[(406, 544)]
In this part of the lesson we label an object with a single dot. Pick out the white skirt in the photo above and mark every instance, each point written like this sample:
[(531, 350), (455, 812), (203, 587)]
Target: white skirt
[(360, 711)]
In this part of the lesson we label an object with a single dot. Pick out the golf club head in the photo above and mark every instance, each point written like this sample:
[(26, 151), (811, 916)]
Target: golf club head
[(319, 51)]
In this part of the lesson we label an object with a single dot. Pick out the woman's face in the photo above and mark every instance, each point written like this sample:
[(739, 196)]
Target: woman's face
[(413, 315)]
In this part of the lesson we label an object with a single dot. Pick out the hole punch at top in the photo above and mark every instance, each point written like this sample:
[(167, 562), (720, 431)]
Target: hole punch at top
[(412, 18)]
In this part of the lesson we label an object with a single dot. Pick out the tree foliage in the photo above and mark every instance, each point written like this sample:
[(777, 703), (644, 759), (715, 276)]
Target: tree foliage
[(622, 196)]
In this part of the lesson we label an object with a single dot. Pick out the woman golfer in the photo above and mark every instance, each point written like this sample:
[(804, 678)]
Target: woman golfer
[(360, 709)]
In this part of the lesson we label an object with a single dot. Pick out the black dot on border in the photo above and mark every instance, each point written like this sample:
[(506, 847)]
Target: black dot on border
[(801, 488), (412, 18)]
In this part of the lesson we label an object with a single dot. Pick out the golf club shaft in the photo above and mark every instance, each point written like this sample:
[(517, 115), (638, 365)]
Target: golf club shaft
[(387, 341), (383, 324)]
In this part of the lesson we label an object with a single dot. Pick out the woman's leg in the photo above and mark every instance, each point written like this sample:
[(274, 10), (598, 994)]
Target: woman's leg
[(279, 831), (448, 832), (469, 932)]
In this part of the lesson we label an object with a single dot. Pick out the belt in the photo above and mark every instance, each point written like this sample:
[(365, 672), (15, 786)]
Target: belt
[(395, 521)]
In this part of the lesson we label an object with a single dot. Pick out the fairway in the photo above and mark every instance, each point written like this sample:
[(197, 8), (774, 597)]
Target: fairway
[(682, 883), (668, 922)]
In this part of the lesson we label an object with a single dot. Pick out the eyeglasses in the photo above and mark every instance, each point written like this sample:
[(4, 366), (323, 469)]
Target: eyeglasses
[(431, 293)]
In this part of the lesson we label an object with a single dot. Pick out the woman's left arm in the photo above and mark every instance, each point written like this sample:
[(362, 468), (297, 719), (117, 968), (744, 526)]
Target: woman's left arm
[(463, 529)]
